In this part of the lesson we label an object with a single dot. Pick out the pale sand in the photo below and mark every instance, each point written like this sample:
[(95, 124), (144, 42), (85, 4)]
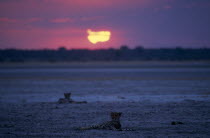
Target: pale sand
[(149, 119)]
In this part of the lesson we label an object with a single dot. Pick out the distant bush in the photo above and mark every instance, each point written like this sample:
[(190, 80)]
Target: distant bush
[(123, 54)]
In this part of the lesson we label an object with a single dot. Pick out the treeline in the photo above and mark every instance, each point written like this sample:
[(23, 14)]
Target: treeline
[(122, 54)]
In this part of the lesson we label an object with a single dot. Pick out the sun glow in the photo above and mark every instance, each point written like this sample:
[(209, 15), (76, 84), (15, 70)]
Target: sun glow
[(101, 36)]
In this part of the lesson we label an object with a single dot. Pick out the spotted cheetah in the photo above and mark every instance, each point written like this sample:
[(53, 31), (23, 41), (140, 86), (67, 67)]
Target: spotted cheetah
[(68, 99), (114, 124)]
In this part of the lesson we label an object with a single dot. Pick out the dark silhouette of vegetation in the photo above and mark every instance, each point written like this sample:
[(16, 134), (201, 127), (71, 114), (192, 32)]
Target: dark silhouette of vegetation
[(122, 54)]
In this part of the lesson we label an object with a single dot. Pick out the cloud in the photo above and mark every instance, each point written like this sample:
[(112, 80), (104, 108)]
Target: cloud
[(54, 8), (62, 20), (75, 20), (7, 20), (97, 3), (39, 38), (64, 8), (34, 38), (11, 20)]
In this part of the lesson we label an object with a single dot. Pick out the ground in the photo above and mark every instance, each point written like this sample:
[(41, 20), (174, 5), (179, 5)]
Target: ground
[(148, 119)]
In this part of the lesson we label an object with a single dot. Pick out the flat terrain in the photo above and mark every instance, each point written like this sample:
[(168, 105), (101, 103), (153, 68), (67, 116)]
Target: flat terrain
[(146, 118), (150, 96)]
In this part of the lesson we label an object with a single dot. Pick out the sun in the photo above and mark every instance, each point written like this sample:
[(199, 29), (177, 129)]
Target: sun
[(101, 36)]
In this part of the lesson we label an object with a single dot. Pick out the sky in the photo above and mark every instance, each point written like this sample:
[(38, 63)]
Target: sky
[(40, 24)]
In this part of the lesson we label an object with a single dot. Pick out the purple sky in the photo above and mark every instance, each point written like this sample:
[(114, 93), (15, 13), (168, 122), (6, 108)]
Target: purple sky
[(36, 24)]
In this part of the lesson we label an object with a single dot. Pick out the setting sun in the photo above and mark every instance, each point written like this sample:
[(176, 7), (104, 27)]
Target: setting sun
[(101, 36)]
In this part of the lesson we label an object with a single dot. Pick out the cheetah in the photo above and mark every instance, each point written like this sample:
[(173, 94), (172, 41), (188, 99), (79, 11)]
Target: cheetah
[(68, 99), (114, 124)]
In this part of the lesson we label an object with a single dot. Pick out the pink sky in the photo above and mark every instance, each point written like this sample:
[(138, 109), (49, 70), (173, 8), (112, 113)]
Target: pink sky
[(36, 24)]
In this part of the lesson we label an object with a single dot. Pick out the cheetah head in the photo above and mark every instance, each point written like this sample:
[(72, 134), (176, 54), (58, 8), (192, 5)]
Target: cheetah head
[(115, 115), (67, 95)]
